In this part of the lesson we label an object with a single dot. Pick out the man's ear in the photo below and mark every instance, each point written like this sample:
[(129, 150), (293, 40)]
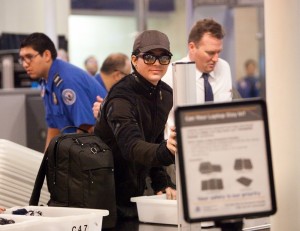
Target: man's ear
[(192, 49), (192, 46), (47, 55)]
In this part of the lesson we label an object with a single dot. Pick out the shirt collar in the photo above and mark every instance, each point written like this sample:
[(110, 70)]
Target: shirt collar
[(51, 74)]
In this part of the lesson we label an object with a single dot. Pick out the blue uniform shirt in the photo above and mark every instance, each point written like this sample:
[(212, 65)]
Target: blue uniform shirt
[(100, 80), (249, 87), (69, 94)]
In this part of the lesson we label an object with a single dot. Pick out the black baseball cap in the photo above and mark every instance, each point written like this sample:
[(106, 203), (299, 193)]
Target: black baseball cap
[(151, 39)]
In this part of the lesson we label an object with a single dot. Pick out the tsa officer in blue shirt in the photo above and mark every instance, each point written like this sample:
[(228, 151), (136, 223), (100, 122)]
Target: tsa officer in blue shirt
[(68, 91), (249, 86)]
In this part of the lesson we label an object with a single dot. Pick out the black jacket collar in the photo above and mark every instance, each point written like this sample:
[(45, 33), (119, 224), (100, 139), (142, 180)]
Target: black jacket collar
[(145, 86)]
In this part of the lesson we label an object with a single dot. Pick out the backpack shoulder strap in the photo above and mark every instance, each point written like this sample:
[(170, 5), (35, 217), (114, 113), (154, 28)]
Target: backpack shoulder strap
[(67, 127), (39, 181)]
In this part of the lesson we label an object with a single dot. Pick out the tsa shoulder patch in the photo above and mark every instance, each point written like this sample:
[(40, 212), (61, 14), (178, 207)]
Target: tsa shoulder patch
[(69, 96)]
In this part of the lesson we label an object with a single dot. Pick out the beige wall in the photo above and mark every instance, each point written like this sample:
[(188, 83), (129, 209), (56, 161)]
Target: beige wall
[(283, 94)]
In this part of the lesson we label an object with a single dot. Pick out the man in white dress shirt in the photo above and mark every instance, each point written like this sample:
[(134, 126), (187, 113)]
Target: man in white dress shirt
[(205, 44)]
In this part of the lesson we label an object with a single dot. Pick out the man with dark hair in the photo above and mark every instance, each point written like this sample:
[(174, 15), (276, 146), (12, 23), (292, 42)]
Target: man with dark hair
[(68, 91), (113, 69), (205, 44)]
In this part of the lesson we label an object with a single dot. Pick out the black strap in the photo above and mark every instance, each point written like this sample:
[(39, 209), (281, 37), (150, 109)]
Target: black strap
[(39, 181), (78, 128)]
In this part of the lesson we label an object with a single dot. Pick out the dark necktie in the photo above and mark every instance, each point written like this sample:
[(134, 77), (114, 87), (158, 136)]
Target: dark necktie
[(208, 93)]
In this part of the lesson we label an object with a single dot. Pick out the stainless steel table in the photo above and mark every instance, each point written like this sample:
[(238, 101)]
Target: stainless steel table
[(261, 224)]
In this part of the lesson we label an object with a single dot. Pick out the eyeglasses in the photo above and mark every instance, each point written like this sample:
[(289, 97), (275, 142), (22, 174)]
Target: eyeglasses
[(151, 59), (27, 58)]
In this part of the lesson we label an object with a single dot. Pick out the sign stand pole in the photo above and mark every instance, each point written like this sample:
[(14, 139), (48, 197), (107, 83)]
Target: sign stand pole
[(230, 225), (184, 91)]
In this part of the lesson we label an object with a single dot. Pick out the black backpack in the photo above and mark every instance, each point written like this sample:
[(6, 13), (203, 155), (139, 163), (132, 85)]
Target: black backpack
[(79, 169)]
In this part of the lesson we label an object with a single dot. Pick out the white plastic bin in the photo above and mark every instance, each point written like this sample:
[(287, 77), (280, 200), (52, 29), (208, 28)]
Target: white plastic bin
[(18, 169), (156, 209), (56, 219), (22, 223)]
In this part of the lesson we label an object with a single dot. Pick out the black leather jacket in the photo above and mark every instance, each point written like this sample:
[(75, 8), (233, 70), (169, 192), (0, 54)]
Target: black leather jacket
[(132, 123)]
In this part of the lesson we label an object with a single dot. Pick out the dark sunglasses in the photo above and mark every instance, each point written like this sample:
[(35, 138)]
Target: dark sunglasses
[(151, 59)]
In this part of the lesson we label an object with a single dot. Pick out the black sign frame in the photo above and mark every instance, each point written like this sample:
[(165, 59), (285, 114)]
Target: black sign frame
[(180, 112)]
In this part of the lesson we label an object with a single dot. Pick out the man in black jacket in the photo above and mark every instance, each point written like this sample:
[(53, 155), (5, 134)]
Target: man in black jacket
[(132, 123)]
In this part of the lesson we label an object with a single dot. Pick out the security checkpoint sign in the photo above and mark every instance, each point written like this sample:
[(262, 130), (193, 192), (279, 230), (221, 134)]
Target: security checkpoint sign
[(225, 160)]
